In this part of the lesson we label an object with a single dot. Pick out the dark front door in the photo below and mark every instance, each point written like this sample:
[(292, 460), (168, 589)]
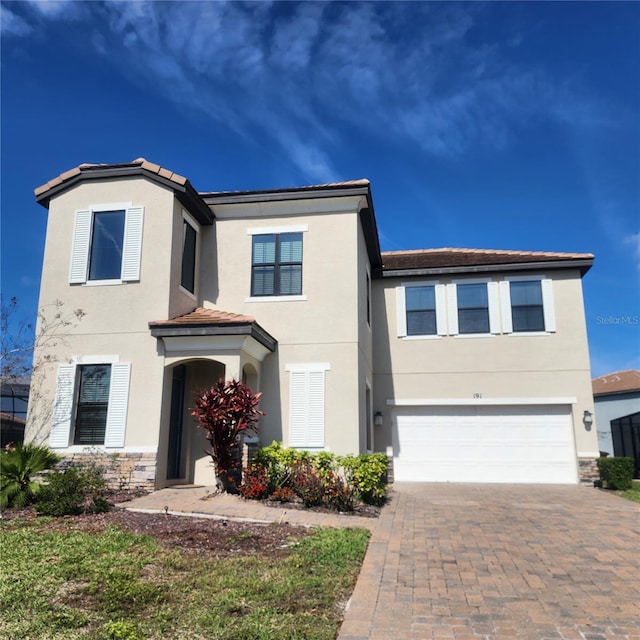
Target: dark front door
[(175, 459)]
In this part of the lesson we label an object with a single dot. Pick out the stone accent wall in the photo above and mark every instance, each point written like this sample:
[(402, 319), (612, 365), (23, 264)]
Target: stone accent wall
[(122, 470), (588, 471)]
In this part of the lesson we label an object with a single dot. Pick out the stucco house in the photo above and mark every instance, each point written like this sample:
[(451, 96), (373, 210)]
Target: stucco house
[(617, 406), (463, 365)]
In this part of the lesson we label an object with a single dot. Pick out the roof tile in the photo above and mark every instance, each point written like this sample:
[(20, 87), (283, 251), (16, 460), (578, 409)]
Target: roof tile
[(202, 316), (450, 257)]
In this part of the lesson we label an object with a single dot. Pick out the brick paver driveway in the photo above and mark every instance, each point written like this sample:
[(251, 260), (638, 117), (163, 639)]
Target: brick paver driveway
[(504, 562)]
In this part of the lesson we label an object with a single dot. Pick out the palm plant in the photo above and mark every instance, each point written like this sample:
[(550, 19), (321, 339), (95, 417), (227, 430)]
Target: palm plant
[(18, 465)]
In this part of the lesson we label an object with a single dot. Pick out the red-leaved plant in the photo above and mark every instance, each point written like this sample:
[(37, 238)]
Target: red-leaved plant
[(224, 412)]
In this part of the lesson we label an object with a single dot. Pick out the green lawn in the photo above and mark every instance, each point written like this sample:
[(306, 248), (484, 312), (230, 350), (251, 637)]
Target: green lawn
[(633, 493), (120, 586)]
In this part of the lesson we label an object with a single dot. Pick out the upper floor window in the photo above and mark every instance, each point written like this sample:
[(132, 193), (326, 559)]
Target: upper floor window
[(107, 244), (527, 310), (189, 248), (421, 309), (276, 264), (527, 305), (473, 308)]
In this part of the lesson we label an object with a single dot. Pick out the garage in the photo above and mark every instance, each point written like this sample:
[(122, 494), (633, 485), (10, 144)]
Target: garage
[(476, 443)]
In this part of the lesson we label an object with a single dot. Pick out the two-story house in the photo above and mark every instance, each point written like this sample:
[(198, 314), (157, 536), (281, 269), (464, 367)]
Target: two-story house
[(463, 365)]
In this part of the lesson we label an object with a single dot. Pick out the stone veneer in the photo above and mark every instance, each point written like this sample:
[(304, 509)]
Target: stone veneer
[(588, 470), (122, 470)]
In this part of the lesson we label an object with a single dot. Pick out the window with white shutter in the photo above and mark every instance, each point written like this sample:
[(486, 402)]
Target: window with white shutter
[(421, 309), (107, 244), (527, 305), (307, 405), (91, 404)]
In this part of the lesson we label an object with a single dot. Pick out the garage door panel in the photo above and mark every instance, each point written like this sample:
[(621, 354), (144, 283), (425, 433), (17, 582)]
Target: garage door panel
[(484, 444)]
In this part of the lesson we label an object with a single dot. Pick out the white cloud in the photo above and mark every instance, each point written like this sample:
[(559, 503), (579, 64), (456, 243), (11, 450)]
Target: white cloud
[(12, 24), (634, 241), (297, 72)]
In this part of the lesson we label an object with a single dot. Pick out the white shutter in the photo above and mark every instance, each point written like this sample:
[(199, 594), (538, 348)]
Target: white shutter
[(494, 307), (505, 306), (118, 401), (401, 312), (61, 423), (315, 431), (452, 309), (547, 301), (441, 310), (297, 408), (132, 245), (80, 246)]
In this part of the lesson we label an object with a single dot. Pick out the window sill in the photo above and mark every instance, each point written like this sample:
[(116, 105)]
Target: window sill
[(103, 283), (275, 298), (475, 335), (188, 293), (529, 333), (422, 337)]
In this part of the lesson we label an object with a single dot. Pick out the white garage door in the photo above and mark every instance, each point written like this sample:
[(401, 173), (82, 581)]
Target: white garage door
[(484, 444)]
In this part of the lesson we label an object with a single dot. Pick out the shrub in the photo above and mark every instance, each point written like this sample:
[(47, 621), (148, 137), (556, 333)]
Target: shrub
[(18, 465), (337, 494), (278, 462), (75, 490), (367, 474), (256, 484), (307, 483), (616, 473), (224, 412), (283, 494)]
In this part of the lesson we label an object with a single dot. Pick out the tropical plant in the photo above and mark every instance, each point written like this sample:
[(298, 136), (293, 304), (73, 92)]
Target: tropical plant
[(225, 412), (18, 466)]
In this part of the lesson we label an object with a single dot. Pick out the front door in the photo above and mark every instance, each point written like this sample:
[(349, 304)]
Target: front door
[(175, 456)]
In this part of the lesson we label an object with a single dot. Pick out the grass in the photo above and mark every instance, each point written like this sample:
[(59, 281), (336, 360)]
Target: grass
[(633, 493), (120, 586)]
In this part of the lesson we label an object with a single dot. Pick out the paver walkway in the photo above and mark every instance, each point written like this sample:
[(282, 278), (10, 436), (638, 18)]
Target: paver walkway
[(477, 562)]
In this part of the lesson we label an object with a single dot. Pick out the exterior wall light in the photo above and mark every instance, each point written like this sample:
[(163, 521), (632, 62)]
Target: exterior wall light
[(587, 420), (378, 419)]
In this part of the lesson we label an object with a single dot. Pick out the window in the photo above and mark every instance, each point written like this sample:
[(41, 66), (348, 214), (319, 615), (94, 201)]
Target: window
[(527, 305), (306, 405), (189, 243), (107, 244), (91, 403), (276, 264), (421, 309), (527, 310), (473, 308)]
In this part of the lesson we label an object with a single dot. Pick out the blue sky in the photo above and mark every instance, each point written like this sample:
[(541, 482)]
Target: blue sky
[(483, 125)]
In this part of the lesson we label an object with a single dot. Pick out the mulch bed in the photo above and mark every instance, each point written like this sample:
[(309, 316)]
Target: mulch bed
[(204, 536)]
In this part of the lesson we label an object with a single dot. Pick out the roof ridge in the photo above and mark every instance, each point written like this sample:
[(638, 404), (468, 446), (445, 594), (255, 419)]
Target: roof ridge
[(515, 252)]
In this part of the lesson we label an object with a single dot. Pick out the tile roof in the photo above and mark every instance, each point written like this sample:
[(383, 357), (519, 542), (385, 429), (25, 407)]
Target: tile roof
[(87, 168), (360, 182), (202, 316), (449, 257), (617, 382)]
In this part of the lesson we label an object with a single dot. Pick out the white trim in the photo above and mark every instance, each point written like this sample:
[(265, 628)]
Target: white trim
[(401, 312), (527, 278), (313, 366), (429, 336), (293, 228), (109, 359), (505, 307), (293, 298), (530, 334), (191, 220), (474, 335), (472, 281), (588, 454), (420, 283), (548, 307), (437, 402), (111, 206), (103, 283)]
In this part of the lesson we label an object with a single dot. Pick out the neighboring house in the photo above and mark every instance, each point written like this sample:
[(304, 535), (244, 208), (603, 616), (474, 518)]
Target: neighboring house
[(14, 399), (617, 406), (463, 365)]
